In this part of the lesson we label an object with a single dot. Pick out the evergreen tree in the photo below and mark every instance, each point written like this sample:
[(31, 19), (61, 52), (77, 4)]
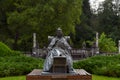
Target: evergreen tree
[(84, 30), (109, 20)]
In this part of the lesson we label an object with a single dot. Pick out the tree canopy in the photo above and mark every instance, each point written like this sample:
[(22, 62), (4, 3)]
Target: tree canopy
[(109, 20), (19, 19), (84, 30), (40, 16)]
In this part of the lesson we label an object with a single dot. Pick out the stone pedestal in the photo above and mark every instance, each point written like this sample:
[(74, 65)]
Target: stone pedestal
[(80, 74), (59, 65)]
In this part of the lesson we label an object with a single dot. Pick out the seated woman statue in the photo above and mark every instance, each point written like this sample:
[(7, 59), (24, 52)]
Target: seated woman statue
[(58, 47)]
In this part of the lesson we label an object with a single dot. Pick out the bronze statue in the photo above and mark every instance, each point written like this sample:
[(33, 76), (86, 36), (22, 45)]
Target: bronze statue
[(58, 47)]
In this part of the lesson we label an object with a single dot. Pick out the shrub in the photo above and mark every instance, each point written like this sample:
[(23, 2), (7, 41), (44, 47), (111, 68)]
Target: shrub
[(4, 50), (18, 65), (101, 65), (107, 44), (15, 63)]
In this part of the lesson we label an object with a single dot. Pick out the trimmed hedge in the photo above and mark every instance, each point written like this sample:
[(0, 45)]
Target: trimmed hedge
[(101, 65), (15, 63), (18, 65), (4, 50)]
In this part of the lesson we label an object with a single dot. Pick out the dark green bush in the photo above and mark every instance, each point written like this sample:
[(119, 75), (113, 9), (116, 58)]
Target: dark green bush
[(101, 65), (15, 63), (4, 50), (18, 65)]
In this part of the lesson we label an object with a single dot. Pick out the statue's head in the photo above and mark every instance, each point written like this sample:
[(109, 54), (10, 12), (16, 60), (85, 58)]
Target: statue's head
[(59, 33)]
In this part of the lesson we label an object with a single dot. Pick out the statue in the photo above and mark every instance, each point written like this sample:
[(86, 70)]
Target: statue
[(58, 63), (58, 47)]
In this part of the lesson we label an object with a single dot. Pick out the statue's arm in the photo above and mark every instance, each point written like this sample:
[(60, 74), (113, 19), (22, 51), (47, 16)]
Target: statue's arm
[(67, 45), (50, 46)]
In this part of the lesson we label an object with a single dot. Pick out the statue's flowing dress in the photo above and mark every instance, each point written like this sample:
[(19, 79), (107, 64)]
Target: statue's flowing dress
[(58, 47)]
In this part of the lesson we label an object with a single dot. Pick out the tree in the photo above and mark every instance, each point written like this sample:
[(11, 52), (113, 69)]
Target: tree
[(84, 30), (107, 44), (42, 17), (109, 20)]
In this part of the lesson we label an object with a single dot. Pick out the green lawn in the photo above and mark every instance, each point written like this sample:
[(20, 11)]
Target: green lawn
[(95, 77), (14, 78)]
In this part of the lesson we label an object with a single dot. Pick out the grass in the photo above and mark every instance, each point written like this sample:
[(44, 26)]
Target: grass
[(14, 78), (94, 77)]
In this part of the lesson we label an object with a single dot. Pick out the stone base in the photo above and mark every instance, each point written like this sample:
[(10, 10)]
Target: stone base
[(80, 74)]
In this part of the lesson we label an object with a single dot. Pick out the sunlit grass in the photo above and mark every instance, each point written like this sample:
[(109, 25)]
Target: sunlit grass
[(96, 77), (14, 78)]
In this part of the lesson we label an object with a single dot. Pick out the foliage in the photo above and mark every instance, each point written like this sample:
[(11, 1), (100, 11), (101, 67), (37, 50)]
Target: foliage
[(15, 63), (23, 17), (18, 65), (4, 49), (106, 44), (101, 65), (84, 30), (109, 20)]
